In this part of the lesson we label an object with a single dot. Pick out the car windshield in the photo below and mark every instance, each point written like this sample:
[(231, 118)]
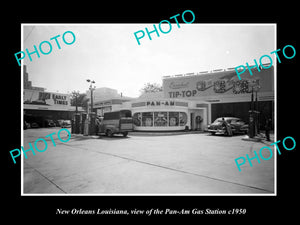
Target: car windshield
[(235, 121), (125, 113), (220, 120)]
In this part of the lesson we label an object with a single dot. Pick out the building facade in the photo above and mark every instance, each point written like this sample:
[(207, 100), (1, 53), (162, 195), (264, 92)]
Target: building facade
[(224, 93), (39, 106), (154, 112), (27, 83), (194, 100), (106, 100)]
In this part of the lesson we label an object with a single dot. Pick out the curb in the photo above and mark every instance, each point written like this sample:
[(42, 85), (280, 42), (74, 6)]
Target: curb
[(255, 139), (139, 133), (143, 133), (81, 136)]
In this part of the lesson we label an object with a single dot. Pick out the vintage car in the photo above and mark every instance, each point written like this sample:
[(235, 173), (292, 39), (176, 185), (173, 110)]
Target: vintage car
[(49, 123), (237, 126), (66, 123), (116, 122), (34, 125)]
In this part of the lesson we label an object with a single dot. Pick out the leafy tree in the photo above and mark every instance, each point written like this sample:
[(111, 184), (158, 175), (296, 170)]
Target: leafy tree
[(151, 88), (78, 99)]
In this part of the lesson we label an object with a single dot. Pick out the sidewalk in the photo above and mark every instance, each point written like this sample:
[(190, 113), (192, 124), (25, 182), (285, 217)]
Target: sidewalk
[(81, 136), (261, 137), (162, 133)]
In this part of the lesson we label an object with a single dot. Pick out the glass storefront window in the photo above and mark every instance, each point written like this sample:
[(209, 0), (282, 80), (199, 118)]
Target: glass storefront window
[(147, 119), (182, 118), (137, 119), (160, 119), (173, 118)]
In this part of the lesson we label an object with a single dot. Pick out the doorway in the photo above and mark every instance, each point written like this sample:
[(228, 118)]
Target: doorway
[(198, 119), (192, 127)]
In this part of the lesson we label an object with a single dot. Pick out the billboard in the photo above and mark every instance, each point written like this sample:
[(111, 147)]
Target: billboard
[(45, 98), (218, 85)]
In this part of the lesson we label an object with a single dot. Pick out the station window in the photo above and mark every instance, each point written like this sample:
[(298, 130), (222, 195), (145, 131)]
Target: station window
[(182, 118), (160, 119), (147, 119), (173, 118), (137, 119)]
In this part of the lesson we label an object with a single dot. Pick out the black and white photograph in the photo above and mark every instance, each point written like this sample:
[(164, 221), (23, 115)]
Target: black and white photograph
[(149, 111), (184, 113)]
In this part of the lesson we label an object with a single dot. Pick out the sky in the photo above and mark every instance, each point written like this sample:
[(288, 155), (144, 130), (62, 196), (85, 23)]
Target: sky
[(110, 55)]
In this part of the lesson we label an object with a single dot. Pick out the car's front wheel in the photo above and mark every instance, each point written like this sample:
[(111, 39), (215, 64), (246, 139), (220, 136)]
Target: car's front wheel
[(109, 133)]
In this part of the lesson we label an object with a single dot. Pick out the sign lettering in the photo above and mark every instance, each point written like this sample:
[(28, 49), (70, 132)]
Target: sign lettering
[(160, 103)]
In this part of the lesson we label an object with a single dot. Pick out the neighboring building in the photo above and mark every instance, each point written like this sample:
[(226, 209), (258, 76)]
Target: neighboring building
[(106, 100), (40, 106), (27, 83), (102, 93)]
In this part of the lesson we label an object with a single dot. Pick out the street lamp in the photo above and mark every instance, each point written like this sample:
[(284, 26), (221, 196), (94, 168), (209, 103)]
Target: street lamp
[(91, 88), (92, 117)]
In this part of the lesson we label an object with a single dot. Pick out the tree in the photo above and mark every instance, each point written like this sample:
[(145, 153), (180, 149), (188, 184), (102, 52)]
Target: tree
[(78, 99), (151, 88)]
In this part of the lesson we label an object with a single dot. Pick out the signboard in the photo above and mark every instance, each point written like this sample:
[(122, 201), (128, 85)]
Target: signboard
[(160, 103), (45, 98), (218, 84)]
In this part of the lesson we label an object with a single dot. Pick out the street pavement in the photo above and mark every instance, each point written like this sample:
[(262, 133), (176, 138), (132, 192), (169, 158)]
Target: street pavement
[(194, 163)]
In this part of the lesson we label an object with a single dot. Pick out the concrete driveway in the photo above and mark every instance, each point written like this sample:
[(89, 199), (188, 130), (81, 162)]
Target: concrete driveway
[(167, 164)]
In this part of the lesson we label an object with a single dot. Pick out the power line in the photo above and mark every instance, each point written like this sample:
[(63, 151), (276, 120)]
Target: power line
[(29, 33)]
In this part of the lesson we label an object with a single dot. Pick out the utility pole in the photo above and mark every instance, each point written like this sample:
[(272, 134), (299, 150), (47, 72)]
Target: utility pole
[(92, 117)]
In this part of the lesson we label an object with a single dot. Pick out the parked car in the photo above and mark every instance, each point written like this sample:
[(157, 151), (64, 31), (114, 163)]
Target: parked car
[(117, 122), (27, 124), (59, 123), (49, 123), (34, 125), (66, 123), (237, 126)]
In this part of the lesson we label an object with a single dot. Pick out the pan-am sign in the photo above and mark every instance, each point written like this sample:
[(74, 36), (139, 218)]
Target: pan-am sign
[(160, 103)]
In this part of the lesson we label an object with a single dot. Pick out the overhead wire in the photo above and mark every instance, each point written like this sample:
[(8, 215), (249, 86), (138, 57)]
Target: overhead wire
[(29, 33)]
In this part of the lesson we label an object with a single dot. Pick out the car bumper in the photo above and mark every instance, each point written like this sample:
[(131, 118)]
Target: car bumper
[(216, 131)]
